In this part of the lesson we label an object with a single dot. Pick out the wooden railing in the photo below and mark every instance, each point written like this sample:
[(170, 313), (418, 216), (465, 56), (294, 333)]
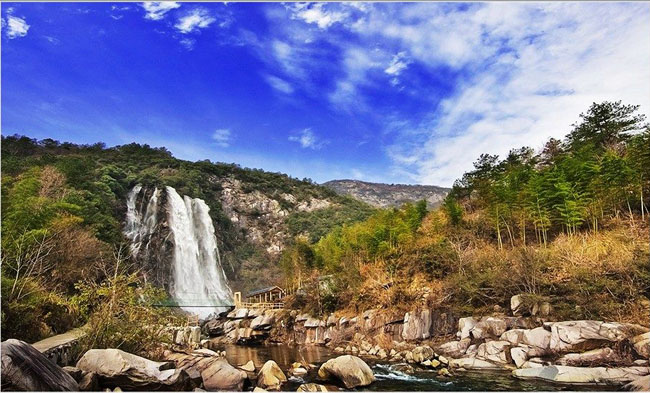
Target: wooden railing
[(263, 306)]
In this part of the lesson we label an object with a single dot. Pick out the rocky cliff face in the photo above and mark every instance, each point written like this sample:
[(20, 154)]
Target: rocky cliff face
[(388, 195), (261, 217)]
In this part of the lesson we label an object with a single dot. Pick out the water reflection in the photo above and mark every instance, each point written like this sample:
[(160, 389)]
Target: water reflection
[(389, 377)]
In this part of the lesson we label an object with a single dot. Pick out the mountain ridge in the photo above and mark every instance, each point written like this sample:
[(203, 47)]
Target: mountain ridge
[(384, 195)]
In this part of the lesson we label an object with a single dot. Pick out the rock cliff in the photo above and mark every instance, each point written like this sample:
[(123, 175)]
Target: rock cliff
[(388, 195)]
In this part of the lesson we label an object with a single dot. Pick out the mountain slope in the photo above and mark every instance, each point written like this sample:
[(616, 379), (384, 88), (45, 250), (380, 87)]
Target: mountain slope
[(388, 195), (252, 210)]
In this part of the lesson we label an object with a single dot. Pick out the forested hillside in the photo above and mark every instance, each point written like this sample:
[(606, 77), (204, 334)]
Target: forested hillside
[(63, 211), (567, 225)]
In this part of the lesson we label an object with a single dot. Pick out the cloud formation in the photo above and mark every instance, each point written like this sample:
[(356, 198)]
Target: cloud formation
[(196, 19), (14, 26), (222, 137), (308, 140), (521, 72), (279, 84), (156, 10)]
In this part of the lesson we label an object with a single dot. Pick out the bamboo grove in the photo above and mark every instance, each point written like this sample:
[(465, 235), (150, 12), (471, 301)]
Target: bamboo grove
[(600, 170)]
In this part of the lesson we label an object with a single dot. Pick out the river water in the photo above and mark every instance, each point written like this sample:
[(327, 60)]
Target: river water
[(389, 378)]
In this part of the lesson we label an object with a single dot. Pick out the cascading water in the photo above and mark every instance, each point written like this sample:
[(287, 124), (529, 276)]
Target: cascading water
[(138, 228), (198, 282), (198, 274)]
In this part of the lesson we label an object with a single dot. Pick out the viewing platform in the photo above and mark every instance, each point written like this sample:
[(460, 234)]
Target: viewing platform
[(269, 298)]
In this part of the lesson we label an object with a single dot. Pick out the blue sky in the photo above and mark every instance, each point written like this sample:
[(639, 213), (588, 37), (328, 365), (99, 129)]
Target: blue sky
[(391, 92)]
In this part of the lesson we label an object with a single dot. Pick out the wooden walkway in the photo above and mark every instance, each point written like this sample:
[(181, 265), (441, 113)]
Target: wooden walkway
[(59, 340)]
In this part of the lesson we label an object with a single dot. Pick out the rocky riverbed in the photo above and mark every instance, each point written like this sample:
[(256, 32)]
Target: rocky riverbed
[(375, 350), (524, 344)]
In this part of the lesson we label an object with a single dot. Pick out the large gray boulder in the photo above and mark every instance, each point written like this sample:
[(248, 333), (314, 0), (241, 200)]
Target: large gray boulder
[(475, 364), (465, 326), (193, 364), (213, 328), (538, 337), (455, 349), (596, 357), (570, 336), (264, 321), (271, 376), (489, 327), (582, 375), (115, 367), (221, 376), (642, 344), (417, 325), (494, 351), (25, 368), (350, 370), (641, 384)]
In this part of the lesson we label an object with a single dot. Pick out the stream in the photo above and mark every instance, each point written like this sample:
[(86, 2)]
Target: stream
[(389, 378)]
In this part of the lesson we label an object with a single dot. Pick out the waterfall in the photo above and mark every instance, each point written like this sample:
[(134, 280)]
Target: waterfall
[(139, 228), (198, 275), (198, 282)]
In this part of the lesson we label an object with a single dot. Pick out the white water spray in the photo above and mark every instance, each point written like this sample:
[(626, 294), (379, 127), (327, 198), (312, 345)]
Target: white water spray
[(198, 284)]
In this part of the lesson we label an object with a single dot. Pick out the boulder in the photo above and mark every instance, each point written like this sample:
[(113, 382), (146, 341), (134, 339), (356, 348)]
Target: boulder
[(350, 370), (488, 328), (332, 320), (74, 372), (417, 326), (582, 375), (455, 348), (248, 367), (494, 351), (239, 313), (516, 304), (642, 344), (596, 357), (25, 368), (115, 367), (474, 364), (89, 382), (465, 325), (193, 364), (220, 375), (537, 337), (422, 353), (263, 322), (641, 384), (519, 355), (270, 376), (570, 336), (311, 387), (213, 328)]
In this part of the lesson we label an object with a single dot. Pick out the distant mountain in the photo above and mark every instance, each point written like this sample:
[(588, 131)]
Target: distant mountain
[(385, 195)]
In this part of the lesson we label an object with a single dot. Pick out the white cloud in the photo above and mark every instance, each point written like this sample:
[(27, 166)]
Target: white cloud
[(156, 10), (222, 137), (198, 18), (317, 14), (188, 43), (560, 59), (14, 26), (279, 84), (397, 64), (522, 72), (308, 140)]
